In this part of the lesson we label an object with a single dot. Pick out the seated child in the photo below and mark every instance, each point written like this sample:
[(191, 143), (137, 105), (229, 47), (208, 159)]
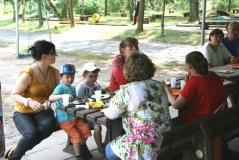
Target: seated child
[(85, 90), (76, 128)]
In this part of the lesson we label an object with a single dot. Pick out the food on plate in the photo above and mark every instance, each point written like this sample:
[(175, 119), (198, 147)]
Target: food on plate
[(98, 104), (175, 91), (234, 65), (225, 71)]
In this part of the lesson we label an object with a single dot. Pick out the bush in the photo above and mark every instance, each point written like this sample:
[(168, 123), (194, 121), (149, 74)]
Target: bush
[(152, 18)]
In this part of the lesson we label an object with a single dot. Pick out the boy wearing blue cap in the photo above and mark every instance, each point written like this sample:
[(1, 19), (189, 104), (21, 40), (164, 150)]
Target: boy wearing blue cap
[(75, 127)]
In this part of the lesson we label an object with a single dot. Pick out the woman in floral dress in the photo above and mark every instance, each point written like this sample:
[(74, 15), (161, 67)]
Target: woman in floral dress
[(143, 106)]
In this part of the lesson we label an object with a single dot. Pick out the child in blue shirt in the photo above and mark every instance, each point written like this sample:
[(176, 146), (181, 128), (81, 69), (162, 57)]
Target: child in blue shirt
[(75, 127)]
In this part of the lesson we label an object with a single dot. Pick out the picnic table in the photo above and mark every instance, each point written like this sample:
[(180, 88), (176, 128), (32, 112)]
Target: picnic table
[(114, 127), (228, 72)]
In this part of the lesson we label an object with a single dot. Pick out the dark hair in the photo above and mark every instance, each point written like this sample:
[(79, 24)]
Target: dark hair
[(41, 47), (217, 32), (138, 67), (198, 61), (127, 41)]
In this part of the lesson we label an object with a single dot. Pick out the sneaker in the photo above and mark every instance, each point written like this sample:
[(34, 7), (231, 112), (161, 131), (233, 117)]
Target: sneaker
[(85, 152)]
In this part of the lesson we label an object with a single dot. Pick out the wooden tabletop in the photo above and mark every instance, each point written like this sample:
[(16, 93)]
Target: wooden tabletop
[(230, 72)]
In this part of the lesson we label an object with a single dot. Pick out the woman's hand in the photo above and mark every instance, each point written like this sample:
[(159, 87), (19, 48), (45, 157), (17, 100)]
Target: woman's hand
[(36, 106), (187, 77)]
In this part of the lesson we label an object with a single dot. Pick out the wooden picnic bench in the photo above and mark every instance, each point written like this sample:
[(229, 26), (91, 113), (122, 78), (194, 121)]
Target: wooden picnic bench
[(199, 135)]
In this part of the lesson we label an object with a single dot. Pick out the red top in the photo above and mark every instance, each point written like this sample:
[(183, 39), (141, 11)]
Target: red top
[(117, 78), (204, 95)]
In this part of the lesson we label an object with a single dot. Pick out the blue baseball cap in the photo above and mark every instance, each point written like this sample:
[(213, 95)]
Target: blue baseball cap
[(67, 69)]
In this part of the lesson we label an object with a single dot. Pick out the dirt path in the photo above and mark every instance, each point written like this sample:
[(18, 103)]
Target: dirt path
[(87, 39)]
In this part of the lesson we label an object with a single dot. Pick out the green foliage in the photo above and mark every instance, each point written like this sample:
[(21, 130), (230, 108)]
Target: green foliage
[(92, 7), (221, 6)]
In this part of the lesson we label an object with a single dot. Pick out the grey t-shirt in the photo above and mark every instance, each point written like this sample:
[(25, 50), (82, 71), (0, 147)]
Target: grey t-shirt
[(84, 91), (215, 58)]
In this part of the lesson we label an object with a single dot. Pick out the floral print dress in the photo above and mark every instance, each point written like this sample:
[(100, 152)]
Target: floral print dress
[(144, 109)]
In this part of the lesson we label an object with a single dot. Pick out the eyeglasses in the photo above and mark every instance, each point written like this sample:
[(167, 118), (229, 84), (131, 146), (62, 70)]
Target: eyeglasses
[(218, 36)]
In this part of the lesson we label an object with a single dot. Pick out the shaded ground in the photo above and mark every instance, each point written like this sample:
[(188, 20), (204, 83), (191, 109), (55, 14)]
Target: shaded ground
[(82, 39)]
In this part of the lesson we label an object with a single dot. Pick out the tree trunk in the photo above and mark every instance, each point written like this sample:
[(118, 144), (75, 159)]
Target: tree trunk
[(65, 10), (106, 7), (131, 8), (162, 22), (14, 12), (72, 14), (193, 10), (229, 5), (140, 26), (53, 8), (40, 13), (82, 8), (23, 10)]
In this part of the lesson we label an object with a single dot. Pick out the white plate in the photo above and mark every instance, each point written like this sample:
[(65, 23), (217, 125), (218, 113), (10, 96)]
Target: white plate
[(81, 105), (225, 71), (103, 96)]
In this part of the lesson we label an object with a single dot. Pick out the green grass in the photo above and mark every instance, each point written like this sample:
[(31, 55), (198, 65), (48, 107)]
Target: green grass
[(170, 36), (4, 44), (91, 56)]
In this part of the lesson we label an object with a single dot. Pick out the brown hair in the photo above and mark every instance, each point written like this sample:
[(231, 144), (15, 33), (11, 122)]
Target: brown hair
[(217, 32), (198, 61), (128, 41), (138, 67)]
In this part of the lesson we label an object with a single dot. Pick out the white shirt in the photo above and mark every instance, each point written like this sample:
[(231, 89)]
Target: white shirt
[(215, 58)]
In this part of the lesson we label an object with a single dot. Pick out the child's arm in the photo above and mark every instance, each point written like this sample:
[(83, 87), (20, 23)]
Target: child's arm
[(55, 97)]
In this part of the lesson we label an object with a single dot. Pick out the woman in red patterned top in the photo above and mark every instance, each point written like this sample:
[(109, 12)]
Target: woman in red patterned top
[(127, 46), (203, 93)]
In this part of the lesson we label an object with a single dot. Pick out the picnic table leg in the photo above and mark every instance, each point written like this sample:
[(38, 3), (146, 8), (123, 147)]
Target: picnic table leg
[(113, 130), (69, 147)]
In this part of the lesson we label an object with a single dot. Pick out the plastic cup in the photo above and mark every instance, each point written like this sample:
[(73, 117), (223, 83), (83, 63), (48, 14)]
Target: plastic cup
[(182, 83), (173, 82), (98, 95), (65, 100)]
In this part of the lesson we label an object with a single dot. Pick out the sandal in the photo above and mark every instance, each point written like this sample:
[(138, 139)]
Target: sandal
[(9, 153)]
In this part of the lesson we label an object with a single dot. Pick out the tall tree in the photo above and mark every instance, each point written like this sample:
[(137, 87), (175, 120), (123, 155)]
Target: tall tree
[(53, 8), (131, 8), (72, 14), (140, 26), (23, 10), (193, 10), (106, 7), (229, 5), (40, 17), (64, 11), (162, 22)]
